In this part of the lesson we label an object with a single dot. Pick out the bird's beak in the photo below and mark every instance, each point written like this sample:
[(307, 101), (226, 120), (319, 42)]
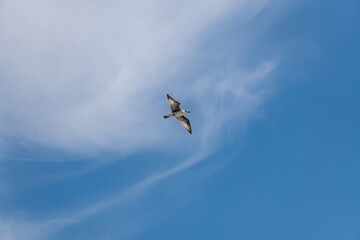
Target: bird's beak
[(188, 111)]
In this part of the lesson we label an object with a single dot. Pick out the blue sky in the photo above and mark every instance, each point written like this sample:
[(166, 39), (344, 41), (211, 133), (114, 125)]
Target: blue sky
[(85, 153)]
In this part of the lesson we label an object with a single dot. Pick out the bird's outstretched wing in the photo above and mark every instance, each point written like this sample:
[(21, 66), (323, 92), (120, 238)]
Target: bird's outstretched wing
[(185, 122), (174, 105)]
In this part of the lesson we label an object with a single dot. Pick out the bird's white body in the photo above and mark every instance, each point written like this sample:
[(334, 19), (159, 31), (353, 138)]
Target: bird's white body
[(177, 114)]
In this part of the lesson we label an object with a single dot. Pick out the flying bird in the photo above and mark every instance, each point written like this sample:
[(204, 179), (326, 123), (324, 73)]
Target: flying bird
[(178, 113)]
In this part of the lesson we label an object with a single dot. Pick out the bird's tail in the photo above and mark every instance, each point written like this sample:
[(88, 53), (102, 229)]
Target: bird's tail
[(167, 116)]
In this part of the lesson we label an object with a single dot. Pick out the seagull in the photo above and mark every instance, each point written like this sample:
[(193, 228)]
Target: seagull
[(178, 113)]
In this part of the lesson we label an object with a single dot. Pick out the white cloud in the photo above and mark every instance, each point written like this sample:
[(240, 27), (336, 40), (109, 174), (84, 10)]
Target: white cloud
[(91, 75)]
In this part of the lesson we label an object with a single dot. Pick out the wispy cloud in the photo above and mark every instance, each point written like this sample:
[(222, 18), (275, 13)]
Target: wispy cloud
[(44, 229), (88, 75), (83, 76), (12, 229)]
